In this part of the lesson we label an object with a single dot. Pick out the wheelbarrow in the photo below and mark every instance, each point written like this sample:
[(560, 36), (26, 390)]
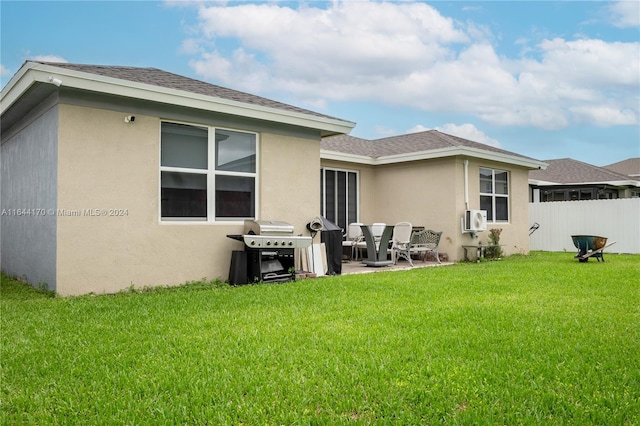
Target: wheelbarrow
[(590, 245)]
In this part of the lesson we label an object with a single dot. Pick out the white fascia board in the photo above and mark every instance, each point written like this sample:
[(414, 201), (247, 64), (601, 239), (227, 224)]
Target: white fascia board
[(433, 154), (464, 151), (16, 87), (543, 182), (349, 158), (611, 183), (420, 155), (113, 86)]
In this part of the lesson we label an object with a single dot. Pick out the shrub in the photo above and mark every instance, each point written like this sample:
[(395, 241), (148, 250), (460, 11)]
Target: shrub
[(494, 239)]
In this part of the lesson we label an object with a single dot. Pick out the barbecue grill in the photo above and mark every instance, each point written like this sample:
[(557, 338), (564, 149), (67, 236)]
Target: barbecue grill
[(268, 254)]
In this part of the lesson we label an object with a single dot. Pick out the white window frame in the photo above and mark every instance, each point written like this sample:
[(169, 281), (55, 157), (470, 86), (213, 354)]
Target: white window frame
[(211, 173), (493, 194)]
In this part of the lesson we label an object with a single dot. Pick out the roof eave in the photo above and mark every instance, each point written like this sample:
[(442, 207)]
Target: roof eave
[(433, 154), (349, 158), (608, 182), (17, 85), (32, 72), (611, 183), (537, 182)]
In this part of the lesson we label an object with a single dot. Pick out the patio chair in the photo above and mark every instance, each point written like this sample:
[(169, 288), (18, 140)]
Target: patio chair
[(353, 237), (377, 229), (401, 242), (424, 242)]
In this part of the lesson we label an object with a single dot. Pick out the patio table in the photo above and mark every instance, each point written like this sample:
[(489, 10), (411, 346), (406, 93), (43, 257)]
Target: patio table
[(377, 256)]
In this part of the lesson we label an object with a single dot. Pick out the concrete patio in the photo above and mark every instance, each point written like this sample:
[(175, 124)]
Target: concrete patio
[(357, 267)]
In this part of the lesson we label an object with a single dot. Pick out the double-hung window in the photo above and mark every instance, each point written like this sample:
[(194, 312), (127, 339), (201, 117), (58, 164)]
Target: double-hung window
[(494, 194), (206, 173), (339, 196)]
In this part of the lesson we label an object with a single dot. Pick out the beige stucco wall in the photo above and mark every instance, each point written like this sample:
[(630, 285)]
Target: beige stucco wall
[(420, 192), (515, 233), (289, 180), (105, 163), (431, 193)]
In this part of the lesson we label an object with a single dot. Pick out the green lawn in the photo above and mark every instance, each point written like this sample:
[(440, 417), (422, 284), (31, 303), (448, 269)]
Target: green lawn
[(526, 340)]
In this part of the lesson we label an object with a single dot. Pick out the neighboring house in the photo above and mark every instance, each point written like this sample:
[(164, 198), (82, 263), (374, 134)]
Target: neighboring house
[(121, 176), (429, 179), (629, 167), (571, 180)]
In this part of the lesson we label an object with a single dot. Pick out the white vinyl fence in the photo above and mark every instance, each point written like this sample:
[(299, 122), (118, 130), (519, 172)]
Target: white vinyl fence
[(617, 220)]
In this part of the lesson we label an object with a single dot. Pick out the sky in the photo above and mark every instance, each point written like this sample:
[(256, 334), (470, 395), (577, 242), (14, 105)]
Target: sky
[(545, 79)]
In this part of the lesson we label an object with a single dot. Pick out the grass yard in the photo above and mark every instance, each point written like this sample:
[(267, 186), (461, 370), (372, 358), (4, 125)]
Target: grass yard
[(526, 340)]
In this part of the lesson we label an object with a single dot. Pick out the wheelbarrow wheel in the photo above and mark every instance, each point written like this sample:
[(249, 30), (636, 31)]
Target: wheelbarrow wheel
[(581, 253)]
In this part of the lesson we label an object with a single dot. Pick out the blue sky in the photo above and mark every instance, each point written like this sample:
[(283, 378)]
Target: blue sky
[(544, 79)]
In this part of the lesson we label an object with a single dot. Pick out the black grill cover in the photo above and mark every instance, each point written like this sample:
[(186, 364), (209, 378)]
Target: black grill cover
[(331, 236)]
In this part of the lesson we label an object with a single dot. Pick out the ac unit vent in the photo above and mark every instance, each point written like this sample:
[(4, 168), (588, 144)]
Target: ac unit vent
[(475, 220)]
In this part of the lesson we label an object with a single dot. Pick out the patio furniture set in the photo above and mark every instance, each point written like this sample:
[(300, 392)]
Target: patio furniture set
[(401, 240)]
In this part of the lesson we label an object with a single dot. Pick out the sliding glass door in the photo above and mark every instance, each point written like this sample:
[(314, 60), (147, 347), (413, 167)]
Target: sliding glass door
[(339, 196)]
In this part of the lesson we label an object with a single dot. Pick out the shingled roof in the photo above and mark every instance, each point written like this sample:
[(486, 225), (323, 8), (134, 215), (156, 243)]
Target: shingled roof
[(160, 78), (420, 142), (630, 167), (570, 171)]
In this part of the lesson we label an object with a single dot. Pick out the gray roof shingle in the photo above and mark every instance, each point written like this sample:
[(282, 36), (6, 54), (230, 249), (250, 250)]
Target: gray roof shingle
[(404, 144), (630, 167), (568, 170), (157, 77)]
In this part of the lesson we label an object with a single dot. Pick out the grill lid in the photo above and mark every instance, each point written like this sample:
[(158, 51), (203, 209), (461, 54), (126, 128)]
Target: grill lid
[(267, 227)]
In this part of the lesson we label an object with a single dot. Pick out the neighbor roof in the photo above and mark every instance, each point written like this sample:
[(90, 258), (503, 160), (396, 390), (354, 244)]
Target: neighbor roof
[(569, 171), (416, 146), (629, 167), (161, 86)]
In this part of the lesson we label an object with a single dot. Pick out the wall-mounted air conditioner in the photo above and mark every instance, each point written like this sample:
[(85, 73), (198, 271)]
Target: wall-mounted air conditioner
[(475, 220)]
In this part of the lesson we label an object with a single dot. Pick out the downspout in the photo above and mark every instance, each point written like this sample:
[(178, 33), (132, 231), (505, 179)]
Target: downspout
[(466, 184)]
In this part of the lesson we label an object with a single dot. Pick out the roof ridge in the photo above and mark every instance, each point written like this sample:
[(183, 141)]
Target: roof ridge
[(603, 169), (451, 138), (63, 64)]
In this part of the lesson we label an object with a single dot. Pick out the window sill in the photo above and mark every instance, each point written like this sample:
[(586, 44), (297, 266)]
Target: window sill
[(201, 222)]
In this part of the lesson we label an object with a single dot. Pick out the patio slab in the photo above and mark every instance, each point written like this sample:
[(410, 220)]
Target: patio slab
[(357, 267)]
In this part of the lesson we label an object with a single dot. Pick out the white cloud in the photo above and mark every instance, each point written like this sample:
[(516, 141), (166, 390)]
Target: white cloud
[(339, 52), (408, 54), (604, 115), (418, 128), (48, 58), (625, 13), (4, 71), (191, 47), (587, 62), (466, 131)]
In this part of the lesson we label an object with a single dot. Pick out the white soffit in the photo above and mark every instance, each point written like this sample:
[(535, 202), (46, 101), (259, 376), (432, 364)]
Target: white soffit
[(32, 73)]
